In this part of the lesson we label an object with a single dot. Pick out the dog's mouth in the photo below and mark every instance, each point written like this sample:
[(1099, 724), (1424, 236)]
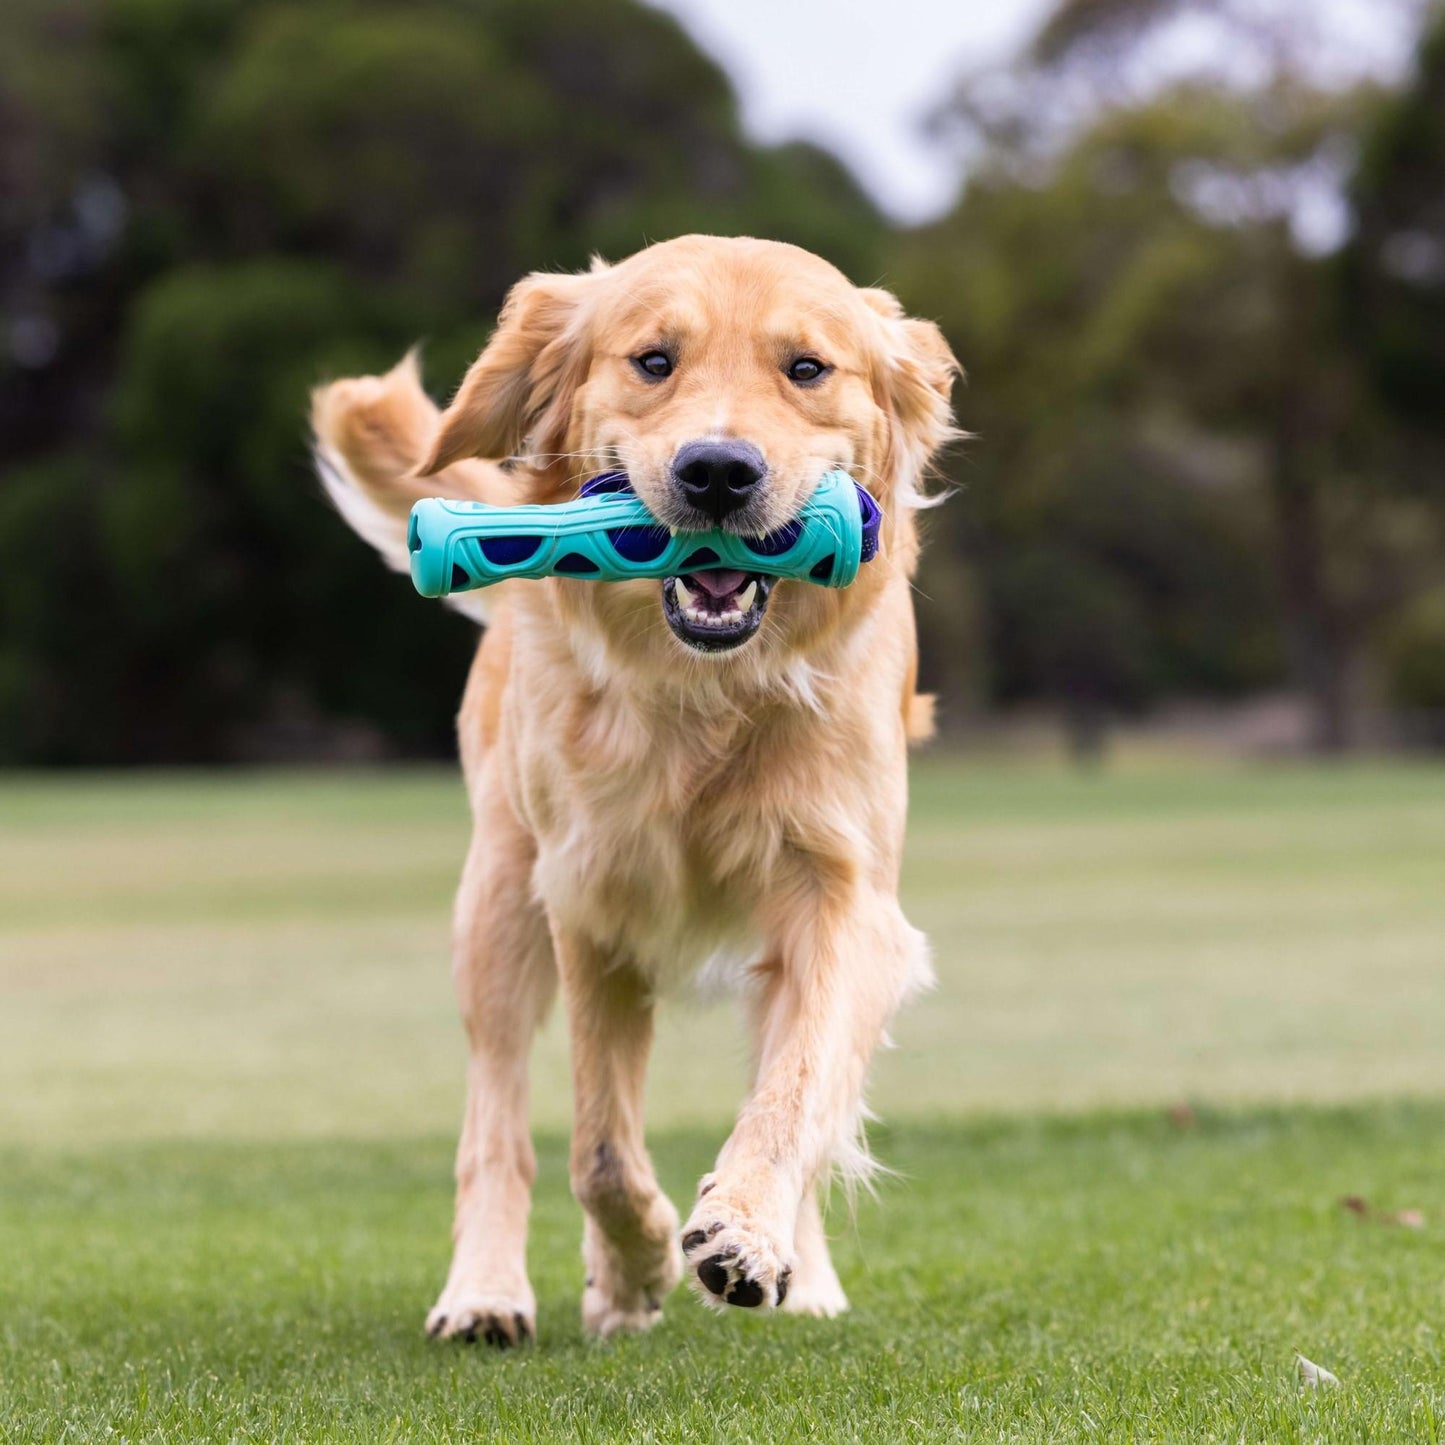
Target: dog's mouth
[(715, 610)]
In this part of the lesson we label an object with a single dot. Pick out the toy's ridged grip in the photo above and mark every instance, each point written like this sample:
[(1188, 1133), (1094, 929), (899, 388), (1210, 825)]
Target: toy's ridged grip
[(607, 535)]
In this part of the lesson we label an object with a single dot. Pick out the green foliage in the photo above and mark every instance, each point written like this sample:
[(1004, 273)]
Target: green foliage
[(1204, 461), (1182, 479), (59, 616), (233, 201), (1108, 504), (1415, 655), (1395, 270)]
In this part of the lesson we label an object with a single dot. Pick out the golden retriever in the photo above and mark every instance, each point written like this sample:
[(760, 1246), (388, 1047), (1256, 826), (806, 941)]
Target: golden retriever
[(664, 773)]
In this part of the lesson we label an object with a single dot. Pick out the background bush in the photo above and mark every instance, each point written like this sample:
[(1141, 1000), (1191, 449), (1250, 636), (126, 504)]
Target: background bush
[(1207, 460)]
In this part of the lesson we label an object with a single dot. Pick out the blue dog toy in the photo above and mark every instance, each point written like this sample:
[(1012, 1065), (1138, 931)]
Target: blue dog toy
[(608, 535)]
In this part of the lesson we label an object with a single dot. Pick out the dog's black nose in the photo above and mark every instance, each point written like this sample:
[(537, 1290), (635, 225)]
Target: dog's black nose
[(718, 477)]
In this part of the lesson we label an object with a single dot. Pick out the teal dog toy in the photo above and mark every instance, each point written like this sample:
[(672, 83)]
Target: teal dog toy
[(608, 535)]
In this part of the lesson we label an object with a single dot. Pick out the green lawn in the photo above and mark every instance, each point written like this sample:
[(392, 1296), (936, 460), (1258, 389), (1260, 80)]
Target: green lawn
[(229, 1072), (1101, 1280)]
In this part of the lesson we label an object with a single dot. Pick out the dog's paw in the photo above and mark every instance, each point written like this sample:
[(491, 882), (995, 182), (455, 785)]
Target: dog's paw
[(603, 1315), (493, 1319), (733, 1261), (625, 1288)]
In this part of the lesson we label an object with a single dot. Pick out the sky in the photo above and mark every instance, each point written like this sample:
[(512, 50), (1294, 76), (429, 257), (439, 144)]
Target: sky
[(859, 76)]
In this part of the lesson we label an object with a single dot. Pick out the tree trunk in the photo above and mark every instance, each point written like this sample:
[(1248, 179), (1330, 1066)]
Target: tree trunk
[(1314, 637)]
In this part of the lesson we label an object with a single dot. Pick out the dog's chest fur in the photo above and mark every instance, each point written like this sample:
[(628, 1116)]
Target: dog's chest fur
[(661, 848)]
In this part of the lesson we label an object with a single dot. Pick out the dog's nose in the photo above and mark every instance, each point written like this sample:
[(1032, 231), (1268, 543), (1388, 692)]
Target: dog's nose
[(718, 477)]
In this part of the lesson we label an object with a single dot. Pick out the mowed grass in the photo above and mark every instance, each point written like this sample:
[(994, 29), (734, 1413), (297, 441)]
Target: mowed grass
[(230, 1070), (1104, 1279), (266, 955)]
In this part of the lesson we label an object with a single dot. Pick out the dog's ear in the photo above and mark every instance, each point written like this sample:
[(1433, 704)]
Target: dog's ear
[(518, 392), (917, 375)]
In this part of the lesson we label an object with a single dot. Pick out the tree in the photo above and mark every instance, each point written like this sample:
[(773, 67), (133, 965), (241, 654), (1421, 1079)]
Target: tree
[(1393, 308), (1130, 278), (212, 204)]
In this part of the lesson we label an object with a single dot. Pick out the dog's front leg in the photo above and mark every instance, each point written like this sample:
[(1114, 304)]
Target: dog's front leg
[(504, 977), (828, 993), (629, 1246)]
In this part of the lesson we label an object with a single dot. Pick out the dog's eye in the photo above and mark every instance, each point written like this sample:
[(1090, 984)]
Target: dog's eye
[(805, 369), (653, 364)]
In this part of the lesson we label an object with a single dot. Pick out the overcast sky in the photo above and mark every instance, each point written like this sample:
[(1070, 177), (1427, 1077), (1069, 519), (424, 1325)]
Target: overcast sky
[(859, 75)]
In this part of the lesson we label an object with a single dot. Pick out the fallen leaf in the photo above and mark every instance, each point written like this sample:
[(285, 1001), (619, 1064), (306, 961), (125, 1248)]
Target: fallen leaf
[(1363, 1209), (1313, 1376), (1408, 1219)]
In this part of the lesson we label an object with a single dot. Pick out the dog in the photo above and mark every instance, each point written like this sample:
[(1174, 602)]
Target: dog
[(663, 774)]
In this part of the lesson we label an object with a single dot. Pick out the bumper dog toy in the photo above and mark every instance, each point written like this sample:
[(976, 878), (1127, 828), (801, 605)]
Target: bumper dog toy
[(608, 535)]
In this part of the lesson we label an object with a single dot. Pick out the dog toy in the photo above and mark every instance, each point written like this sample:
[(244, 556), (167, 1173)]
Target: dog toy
[(608, 535)]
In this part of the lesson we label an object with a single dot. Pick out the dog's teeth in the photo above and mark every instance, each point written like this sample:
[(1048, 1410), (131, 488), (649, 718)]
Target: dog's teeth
[(705, 616), (685, 599), (745, 597)]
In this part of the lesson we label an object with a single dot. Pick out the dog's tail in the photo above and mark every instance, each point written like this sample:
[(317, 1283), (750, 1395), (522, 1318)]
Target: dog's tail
[(369, 434)]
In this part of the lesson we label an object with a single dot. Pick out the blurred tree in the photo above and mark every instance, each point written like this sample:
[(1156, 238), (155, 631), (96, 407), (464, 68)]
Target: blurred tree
[(1394, 268), (208, 205), (1416, 660), (1393, 287), (1209, 453), (1166, 401)]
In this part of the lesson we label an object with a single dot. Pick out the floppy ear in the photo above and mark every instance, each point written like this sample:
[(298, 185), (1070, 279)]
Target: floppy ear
[(519, 391), (918, 373)]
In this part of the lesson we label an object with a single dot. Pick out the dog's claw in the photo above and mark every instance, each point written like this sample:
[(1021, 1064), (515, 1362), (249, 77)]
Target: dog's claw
[(497, 1324)]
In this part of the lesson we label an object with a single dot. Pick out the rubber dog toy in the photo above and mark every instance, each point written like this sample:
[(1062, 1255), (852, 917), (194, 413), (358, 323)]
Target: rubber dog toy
[(608, 535)]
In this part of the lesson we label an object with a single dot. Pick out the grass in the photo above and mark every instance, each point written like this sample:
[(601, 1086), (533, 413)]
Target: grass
[(230, 1068), (264, 956), (1105, 1279)]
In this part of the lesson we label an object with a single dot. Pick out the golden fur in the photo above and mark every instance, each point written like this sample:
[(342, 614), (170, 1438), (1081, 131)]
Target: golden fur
[(640, 808)]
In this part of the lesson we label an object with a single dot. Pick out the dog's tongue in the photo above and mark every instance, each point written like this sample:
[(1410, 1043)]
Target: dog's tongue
[(718, 584)]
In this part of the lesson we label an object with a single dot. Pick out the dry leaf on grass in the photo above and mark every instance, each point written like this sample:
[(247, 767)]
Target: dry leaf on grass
[(1363, 1209), (1313, 1376)]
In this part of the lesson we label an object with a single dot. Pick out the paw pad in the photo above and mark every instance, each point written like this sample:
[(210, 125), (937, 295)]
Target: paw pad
[(698, 1238), (733, 1262), (722, 1275)]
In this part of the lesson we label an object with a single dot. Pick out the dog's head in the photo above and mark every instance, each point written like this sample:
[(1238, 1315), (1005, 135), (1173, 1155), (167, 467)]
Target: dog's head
[(725, 377)]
